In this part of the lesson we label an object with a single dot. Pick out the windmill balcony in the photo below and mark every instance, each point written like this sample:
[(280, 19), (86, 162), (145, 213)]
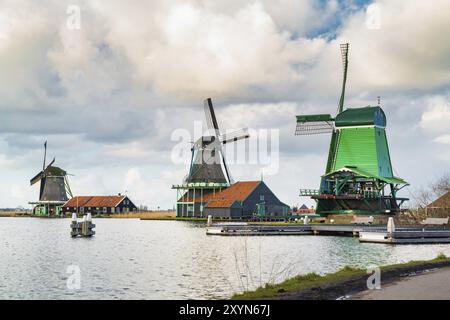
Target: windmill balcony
[(309, 192)]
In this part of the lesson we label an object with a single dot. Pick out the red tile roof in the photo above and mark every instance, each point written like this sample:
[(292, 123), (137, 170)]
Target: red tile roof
[(237, 192), (94, 201), (221, 203)]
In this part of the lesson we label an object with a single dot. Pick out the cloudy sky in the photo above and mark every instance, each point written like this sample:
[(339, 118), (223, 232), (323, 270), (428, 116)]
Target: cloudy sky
[(111, 95)]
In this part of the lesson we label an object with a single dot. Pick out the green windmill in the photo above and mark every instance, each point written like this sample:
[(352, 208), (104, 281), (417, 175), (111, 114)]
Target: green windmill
[(359, 178)]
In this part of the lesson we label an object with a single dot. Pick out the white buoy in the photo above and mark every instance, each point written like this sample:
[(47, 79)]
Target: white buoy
[(89, 217), (306, 220), (209, 221), (390, 225), (74, 217)]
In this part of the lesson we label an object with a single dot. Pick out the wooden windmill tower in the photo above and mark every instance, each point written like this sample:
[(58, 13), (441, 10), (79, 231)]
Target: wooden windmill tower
[(54, 188), (359, 178), (208, 171)]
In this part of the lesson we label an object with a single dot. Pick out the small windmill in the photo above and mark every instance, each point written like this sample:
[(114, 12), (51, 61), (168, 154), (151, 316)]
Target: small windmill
[(208, 162), (54, 188), (208, 171), (359, 176)]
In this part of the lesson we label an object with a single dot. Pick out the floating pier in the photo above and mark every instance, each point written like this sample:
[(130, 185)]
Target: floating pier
[(374, 233), (83, 228), (257, 230), (406, 236)]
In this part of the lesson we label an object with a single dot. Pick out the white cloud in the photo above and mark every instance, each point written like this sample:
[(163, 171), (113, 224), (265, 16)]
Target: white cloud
[(408, 52), (17, 192), (189, 51), (6, 161), (444, 139), (436, 119)]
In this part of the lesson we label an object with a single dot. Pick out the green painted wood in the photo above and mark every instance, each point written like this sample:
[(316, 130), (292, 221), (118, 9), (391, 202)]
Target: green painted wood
[(314, 118), (361, 117), (358, 147)]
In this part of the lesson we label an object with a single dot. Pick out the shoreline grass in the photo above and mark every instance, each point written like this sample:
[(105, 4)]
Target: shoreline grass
[(308, 281), (14, 214)]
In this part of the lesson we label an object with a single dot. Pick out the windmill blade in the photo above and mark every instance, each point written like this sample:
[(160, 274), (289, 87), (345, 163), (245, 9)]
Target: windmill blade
[(235, 136), (227, 172), (314, 124), (66, 183), (37, 178), (45, 154), (344, 53), (211, 119), (50, 164)]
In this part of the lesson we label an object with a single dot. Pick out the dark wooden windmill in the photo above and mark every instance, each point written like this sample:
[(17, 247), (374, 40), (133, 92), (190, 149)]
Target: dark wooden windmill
[(208, 171), (54, 188)]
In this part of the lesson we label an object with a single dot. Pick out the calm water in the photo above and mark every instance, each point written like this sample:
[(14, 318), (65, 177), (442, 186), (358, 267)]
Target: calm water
[(133, 259)]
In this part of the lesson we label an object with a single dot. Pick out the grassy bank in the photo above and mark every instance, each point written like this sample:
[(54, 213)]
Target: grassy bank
[(314, 286), (175, 218), (14, 214), (146, 215)]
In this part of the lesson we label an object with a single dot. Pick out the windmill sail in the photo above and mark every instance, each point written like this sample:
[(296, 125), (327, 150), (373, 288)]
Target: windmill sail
[(344, 53), (45, 154), (235, 136), (53, 181), (314, 124), (324, 123), (206, 166), (211, 119), (208, 163)]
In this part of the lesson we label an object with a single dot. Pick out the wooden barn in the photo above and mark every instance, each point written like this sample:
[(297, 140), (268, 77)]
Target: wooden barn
[(242, 200), (100, 205)]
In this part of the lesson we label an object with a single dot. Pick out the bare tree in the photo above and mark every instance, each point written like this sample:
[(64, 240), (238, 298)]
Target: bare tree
[(441, 186), (425, 195)]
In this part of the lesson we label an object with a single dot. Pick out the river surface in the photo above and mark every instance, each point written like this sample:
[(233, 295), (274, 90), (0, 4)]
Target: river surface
[(133, 259)]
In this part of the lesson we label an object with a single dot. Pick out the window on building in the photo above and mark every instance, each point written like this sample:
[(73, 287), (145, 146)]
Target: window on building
[(105, 209), (261, 197)]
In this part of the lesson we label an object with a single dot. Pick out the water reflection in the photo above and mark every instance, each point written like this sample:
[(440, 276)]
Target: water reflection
[(132, 259)]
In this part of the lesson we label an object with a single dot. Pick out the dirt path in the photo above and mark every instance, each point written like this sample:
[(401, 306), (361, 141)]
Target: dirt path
[(433, 285)]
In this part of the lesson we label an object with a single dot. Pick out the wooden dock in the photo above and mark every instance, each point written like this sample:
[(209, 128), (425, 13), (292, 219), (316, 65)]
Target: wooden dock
[(372, 233), (257, 230), (406, 236), (301, 229)]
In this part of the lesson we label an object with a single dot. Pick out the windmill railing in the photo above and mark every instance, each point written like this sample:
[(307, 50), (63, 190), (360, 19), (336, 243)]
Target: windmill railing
[(371, 194), (309, 192), (365, 194)]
